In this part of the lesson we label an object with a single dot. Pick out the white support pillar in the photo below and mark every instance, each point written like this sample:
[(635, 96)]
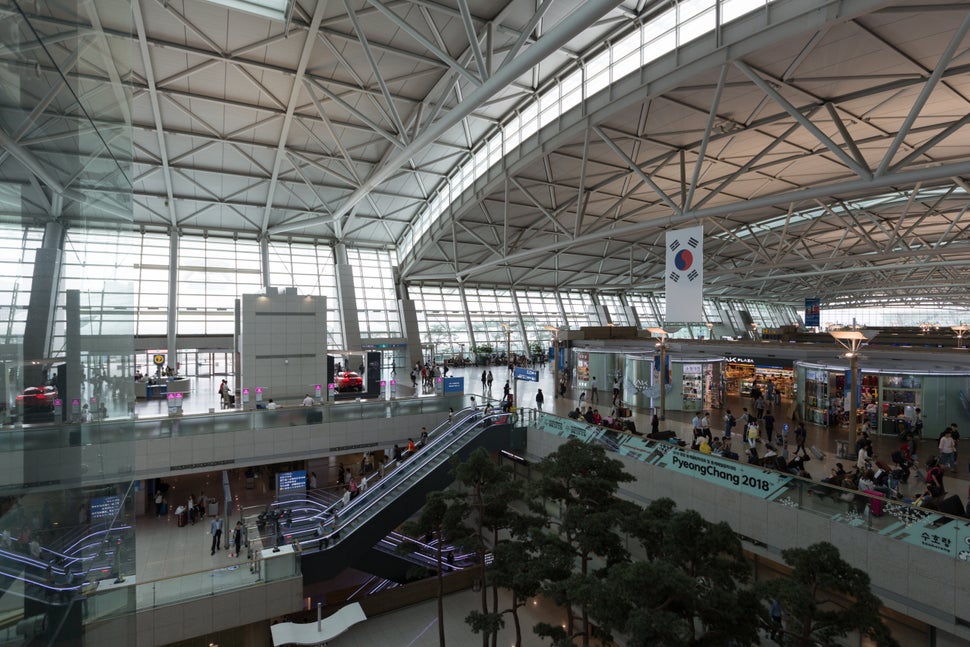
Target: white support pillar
[(173, 296)]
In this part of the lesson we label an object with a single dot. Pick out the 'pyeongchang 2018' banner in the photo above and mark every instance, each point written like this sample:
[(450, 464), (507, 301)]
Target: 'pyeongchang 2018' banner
[(685, 275), (749, 479)]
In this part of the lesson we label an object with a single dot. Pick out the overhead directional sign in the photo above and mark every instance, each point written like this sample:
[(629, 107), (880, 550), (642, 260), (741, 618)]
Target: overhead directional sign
[(526, 374)]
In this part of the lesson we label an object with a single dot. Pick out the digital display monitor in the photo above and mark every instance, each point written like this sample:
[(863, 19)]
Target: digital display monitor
[(105, 507), (291, 481)]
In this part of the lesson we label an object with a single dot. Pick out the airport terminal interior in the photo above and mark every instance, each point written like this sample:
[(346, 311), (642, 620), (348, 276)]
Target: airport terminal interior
[(267, 266)]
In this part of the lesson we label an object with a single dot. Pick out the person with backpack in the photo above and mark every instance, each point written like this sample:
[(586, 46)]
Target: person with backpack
[(934, 479)]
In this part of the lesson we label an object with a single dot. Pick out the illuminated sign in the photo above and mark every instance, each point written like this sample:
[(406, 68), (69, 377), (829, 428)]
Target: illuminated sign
[(290, 481)]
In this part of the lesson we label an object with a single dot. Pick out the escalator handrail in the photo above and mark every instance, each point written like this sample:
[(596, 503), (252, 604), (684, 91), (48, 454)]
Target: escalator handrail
[(429, 454)]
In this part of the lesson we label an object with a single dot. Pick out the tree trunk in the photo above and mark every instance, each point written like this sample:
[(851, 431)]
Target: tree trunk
[(515, 619), (481, 554), (441, 595), (583, 605), (495, 595)]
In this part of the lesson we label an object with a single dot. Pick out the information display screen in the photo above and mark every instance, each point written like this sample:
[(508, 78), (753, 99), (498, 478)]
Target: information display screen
[(290, 481), (105, 507)]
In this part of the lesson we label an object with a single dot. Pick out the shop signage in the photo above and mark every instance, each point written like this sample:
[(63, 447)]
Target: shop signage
[(693, 369), (720, 471), (764, 362)]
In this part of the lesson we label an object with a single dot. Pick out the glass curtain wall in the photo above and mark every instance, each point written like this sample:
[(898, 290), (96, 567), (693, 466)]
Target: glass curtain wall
[(310, 268), (642, 303), (17, 247), (488, 309), (614, 306), (377, 307), (539, 309), (67, 298), (212, 272), (441, 319), (151, 284), (580, 309)]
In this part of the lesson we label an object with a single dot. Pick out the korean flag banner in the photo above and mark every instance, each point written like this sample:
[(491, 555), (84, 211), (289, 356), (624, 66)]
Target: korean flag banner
[(685, 275)]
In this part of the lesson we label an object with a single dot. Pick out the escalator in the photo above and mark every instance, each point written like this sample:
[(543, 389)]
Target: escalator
[(372, 516), (386, 561)]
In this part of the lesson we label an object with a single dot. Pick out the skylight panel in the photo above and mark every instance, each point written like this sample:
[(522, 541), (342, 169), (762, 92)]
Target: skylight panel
[(272, 9)]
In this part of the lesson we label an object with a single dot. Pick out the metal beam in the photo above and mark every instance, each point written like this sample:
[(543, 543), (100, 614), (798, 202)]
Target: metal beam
[(927, 174), (311, 38), (800, 118), (925, 93), (156, 110), (420, 38), (567, 29), (636, 169)]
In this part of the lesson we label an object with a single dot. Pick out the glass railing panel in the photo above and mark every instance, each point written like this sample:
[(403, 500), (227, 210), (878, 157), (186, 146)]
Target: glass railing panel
[(55, 436), (108, 597), (882, 511)]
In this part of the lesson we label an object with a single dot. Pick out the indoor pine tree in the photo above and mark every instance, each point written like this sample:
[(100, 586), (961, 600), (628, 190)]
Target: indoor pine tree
[(818, 575), (583, 482)]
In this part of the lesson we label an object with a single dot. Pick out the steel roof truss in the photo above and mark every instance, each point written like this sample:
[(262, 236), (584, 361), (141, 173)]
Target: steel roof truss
[(636, 169), (861, 171), (291, 105), (424, 42), (924, 94)]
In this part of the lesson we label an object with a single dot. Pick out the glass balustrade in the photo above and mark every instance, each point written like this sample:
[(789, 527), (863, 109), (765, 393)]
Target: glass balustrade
[(879, 511), (51, 436)]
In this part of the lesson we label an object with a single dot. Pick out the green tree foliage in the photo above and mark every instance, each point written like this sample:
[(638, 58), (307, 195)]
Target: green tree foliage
[(523, 563), (489, 493), (812, 614), (583, 481), (442, 516), (690, 589)]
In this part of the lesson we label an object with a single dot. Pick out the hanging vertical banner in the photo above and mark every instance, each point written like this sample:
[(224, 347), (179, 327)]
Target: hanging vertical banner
[(812, 313), (685, 275)]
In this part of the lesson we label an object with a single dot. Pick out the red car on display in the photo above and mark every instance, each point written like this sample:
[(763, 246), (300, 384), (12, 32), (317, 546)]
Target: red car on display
[(349, 381), (37, 399)]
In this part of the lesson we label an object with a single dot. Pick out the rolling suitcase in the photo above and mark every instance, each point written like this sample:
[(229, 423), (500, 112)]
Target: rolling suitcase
[(875, 502)]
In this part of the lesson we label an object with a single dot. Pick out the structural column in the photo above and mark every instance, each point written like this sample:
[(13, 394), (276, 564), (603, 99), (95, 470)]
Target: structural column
[(347, 298), (43, 296), (173, 296)]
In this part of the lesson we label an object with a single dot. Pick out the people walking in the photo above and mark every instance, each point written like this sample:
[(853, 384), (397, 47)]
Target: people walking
[(539, 400), (216, 529), (237, 534)]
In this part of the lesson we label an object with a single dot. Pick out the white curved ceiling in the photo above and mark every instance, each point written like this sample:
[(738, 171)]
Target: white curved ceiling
[(823, 147)]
